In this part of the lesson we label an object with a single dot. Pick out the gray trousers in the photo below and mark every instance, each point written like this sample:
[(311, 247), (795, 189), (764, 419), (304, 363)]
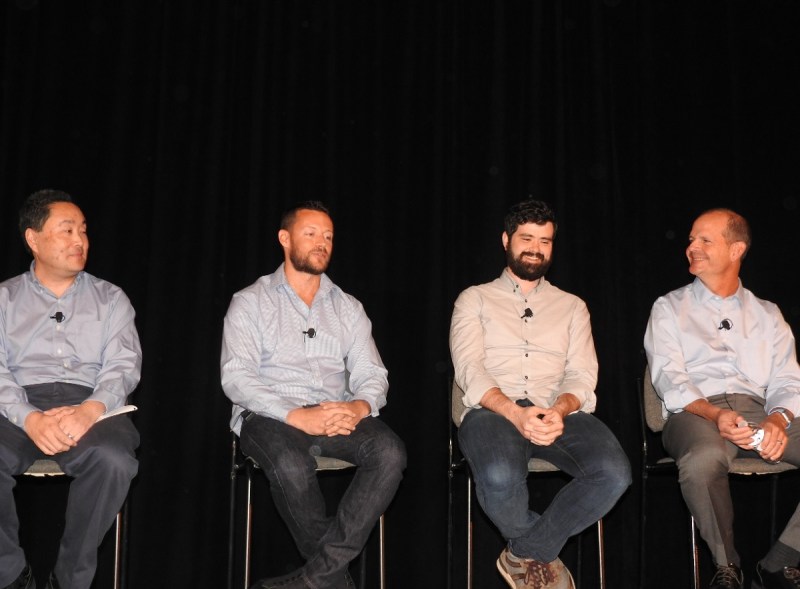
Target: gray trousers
[(101, 466), (703, 459)]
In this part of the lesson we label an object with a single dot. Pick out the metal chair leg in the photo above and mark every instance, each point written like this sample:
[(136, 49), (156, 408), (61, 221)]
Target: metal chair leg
[(231, 527), (382, 556), (469, 531), (248, 525), (601, 553), (118, 551), (695, 554)]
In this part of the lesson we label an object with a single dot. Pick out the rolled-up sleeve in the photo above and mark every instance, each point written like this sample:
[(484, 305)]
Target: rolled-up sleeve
[(467, 348)]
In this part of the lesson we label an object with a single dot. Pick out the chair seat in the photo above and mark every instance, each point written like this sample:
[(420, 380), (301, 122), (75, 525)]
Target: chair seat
[(44, 467), (540, 465), (758, 466), (743, 466), (327, 463)]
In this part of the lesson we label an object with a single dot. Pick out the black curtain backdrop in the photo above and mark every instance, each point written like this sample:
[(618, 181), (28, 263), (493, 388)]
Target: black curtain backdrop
[(183, 129)]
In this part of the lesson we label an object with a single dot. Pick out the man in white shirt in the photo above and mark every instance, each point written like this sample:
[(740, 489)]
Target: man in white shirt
[(721, 358), (523, 353)]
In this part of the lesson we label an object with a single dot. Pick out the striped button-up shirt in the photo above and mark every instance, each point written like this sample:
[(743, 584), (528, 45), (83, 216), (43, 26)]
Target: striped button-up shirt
[(271, 364)]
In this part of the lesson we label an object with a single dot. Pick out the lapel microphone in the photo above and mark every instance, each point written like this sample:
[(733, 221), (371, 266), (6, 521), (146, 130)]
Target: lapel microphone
[(528, 313)]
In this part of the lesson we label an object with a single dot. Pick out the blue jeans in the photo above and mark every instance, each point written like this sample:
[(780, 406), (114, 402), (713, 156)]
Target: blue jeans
[(286, 455), (498, 458)]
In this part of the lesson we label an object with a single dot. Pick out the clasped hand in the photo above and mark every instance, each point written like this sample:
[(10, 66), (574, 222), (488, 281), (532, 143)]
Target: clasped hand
[(61, 428), (329, 418), (541, 425)]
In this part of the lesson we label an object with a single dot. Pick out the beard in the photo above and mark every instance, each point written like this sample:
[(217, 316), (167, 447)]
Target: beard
[(525, 269), (308, 264)]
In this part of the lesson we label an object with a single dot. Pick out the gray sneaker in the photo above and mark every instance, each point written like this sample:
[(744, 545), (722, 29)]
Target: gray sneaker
[(525, 573)]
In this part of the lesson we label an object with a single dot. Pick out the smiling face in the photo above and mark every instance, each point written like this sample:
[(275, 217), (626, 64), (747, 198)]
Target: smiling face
[(61, 248), (711, 255), (529, 250), (308, 242)]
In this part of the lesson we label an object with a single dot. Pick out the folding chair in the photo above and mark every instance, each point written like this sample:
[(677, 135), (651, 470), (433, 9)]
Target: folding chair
[(44, 467), (239, 463), (459, 463), (652, 423)]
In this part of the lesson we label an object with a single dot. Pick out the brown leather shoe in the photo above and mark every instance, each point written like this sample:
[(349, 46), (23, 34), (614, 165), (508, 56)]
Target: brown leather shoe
[(728, 576)]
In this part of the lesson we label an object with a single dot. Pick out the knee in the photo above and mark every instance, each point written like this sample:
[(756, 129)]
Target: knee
[(112, 460), (388, 452), (702, 464), (497, 477)]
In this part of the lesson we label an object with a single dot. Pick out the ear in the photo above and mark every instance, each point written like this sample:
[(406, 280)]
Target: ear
[(505, 240), (284, 238), (737, 250), (31, 237)]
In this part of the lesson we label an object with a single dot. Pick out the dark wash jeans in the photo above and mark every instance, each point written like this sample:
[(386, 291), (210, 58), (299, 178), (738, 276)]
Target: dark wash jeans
[(101, 465), (286, 455), (498, 457)]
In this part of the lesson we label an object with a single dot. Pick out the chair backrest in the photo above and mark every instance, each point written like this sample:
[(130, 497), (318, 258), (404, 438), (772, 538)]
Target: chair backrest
[(457, 409), (457, 406), (653, 407)]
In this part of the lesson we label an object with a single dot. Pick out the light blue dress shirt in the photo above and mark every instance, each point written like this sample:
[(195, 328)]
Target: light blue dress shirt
[(94, 345), (270, 366), (700, 345)]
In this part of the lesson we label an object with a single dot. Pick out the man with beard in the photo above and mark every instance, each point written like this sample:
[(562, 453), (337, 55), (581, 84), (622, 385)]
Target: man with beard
[(301, 367), (523, 353)]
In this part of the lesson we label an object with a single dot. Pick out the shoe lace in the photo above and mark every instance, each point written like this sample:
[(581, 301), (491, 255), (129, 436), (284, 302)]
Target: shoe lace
[(727, 576), (538, 574)]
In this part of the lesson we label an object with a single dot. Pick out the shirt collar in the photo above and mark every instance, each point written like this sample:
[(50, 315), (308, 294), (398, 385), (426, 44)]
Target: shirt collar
[(35, 280), (325, 283), (507, 278), (703, 294)]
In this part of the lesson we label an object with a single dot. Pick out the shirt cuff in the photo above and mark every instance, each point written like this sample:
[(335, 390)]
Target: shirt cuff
[(17, 414)]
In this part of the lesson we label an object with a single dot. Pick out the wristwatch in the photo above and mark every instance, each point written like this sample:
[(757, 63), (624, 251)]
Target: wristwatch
[(784, 414)]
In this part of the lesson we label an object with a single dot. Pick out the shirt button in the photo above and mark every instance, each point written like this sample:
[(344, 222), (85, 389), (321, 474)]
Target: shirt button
[(526, 354), (66, 364), (525, 377), (58, 351)]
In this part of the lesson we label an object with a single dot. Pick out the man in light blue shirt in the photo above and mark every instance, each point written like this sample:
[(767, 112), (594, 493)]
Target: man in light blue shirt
[(720, 358), (304, 374), (69, 352)]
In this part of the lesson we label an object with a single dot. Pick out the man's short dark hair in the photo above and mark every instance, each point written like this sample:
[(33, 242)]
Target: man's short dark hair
[(309, 205), (529, 211), (34, 212)]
